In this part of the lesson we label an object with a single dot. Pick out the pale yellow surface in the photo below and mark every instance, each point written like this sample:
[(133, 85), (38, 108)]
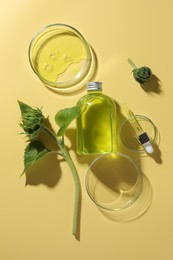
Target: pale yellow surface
[(36, 220)]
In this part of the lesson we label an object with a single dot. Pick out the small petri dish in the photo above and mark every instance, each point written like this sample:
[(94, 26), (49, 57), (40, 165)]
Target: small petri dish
[(128, 136), (113, 182), (60, 56)]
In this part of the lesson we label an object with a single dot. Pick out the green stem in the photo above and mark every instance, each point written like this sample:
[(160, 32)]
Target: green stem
[(132, 64), (50, 133), (72, 167)]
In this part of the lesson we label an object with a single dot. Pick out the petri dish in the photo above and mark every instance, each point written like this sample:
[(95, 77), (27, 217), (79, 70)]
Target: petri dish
[(60, 56), (128, 136), (113, 182)]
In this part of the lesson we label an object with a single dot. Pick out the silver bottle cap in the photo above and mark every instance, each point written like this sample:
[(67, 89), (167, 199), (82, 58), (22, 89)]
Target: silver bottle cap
[(94, 85)]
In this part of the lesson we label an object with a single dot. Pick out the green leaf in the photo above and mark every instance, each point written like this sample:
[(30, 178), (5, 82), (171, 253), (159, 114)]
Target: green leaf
[(64, 117), (34, 151)]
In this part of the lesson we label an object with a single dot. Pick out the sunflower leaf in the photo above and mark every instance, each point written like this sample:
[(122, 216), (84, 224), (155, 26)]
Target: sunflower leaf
[(64, 117), (34, 152)]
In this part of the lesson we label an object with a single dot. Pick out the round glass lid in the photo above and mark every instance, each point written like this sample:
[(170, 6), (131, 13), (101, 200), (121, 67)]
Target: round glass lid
[(113, 181), (60, 56)]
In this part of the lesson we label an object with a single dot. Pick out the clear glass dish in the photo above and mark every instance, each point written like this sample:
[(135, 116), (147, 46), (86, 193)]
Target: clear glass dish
[(60, 56), (128, 136), (114, 182)]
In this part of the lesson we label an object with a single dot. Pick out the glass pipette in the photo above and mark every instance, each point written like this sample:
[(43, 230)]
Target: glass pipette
[(142, 136)]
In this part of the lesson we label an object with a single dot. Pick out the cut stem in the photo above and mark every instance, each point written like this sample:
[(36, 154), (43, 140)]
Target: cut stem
[(67, 157), (132, 64), (72, 167)]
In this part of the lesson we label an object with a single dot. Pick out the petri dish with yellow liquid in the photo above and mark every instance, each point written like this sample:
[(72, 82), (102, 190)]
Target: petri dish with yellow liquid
[(60, 56)]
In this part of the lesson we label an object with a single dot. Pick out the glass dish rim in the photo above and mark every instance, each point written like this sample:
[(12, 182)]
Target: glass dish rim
[(70, 83), (130, 202), (142, 150)]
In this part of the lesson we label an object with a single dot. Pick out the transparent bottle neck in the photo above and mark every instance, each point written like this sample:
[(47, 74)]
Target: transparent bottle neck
[(91, 91)]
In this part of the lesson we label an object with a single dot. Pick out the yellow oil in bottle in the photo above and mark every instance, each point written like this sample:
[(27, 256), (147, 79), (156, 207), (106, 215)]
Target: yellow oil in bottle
[(96, 126)]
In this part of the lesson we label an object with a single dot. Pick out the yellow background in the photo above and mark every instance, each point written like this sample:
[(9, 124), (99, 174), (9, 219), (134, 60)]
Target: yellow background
[(36, 219)]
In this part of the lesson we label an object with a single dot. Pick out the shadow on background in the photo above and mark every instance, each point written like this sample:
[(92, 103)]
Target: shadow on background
[(46, 171), (156, 155), (153, 86)]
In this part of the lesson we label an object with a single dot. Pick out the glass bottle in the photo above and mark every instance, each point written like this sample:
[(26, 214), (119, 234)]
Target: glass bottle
[(96, 125)]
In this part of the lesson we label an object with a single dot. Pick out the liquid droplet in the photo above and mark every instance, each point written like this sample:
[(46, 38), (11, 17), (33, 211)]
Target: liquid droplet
[(48, 67)]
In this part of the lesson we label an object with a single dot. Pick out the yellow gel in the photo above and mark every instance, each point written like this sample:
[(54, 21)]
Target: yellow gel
[(60, 57)]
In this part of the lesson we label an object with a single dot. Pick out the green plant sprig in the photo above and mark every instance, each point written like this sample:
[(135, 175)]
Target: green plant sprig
[(33, 123), (142, 74)]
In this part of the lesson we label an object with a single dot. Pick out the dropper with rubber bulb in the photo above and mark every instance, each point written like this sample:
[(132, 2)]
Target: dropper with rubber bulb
[(142, 136)]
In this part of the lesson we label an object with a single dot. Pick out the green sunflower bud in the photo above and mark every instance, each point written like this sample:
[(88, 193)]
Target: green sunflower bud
[(141, 75), (32, 121)]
